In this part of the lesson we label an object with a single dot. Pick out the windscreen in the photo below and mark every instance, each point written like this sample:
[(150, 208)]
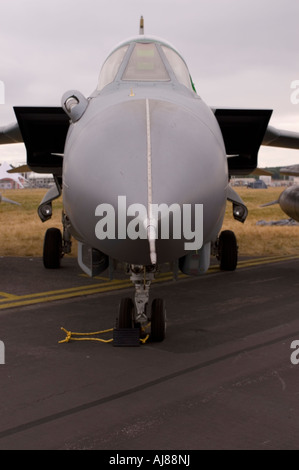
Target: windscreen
[(111, 67), (145, 64), (178, 66)]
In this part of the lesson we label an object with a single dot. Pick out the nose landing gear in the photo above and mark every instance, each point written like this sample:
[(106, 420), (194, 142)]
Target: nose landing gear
[(135, 316)]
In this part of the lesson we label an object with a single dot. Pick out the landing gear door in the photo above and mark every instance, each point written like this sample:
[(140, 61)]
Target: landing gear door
[(196, 264), (91, 261)]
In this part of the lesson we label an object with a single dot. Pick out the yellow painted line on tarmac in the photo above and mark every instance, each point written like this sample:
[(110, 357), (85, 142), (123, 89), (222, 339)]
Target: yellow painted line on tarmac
[(262, 261), (44, 297), (41, 297), (8, 296), (69, 290), (11, 300), (49, 296)]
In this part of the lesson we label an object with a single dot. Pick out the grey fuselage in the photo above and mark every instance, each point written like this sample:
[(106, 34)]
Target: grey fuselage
[(289, 202), (140, 139)]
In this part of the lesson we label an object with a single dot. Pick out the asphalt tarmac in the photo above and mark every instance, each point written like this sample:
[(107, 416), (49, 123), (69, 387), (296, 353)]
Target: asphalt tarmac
[(222, 379)]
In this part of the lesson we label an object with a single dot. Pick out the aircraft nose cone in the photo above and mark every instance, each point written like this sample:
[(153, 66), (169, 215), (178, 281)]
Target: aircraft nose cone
[(148, 151), (289, 202)]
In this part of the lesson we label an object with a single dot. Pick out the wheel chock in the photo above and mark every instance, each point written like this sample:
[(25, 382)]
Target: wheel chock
[(126, 337)]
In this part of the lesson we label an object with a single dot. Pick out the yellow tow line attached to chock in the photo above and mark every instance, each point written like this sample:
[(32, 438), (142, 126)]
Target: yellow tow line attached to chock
[(72, 336)]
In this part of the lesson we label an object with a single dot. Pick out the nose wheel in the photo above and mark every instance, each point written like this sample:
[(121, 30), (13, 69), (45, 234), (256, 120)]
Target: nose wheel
[(126, 313), (132, 331), (158, 320)]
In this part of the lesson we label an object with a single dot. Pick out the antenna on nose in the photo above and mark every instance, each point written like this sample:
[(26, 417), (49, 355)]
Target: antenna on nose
[(141, 28)]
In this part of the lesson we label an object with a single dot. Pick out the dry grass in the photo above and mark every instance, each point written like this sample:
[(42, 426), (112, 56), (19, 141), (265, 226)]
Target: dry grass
[(262, 240), (22, 232)]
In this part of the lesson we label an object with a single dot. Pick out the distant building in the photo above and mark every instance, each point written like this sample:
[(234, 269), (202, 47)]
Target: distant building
[(8, 183), (241, 181), (23, 179), (266, 179), (10, 180), (40, 181)]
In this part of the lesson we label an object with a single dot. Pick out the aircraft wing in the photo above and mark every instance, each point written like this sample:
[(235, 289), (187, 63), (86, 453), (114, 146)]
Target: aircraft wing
[(20, 169), (262, 172), (243, 131), (10, 134), (281, 138), (292, 170), (43, 131)]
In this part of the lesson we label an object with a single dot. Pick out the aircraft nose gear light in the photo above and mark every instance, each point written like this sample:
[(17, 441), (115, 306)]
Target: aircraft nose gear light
[(240, 212), (45, 211)]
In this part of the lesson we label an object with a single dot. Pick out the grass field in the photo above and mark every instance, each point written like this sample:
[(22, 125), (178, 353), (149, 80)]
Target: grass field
[(22, 232)]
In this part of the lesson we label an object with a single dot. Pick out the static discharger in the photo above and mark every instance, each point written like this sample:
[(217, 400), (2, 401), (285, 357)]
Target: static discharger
[(141, 28)]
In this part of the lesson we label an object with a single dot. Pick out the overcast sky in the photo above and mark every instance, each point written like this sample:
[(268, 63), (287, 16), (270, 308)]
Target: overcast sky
[(241, 53)]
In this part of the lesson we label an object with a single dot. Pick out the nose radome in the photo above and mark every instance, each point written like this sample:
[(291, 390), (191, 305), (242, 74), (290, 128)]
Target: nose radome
[(149, 151), (128, 144)]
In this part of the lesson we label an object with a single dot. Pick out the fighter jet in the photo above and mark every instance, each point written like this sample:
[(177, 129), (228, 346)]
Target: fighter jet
[(289, 198), (143, 165)]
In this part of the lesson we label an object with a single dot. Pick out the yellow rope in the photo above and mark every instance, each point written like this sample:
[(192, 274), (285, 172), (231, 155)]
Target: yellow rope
[(144, 340), (70, 336)]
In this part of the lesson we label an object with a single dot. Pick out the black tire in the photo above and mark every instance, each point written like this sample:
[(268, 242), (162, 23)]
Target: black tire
[(52, 252), (158, 320), (228, 251), (126, 310)]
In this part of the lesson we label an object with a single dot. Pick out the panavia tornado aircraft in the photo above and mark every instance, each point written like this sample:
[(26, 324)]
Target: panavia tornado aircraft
[(143, 165), (289, 198)]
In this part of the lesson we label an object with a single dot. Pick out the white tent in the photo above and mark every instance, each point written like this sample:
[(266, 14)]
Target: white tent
[(17, 177)]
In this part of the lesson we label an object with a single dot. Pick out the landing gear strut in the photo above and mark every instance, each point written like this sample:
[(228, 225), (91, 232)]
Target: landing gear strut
[(135, 314), (55, 243)]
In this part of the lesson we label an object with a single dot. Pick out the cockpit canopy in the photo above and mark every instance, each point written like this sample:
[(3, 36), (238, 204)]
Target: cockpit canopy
[(149, 61)]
